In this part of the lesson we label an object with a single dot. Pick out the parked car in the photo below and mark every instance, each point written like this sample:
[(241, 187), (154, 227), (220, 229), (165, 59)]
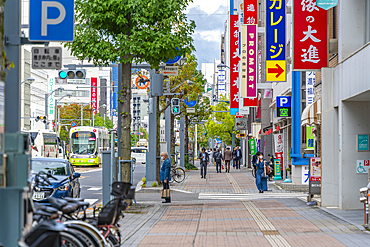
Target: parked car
[(66, 185), (138, 154)]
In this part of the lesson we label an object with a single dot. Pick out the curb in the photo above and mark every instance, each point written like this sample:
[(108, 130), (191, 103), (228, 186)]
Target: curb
[(344, 219)]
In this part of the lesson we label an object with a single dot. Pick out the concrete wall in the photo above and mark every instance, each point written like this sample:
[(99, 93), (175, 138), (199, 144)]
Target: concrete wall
[(351, 34)]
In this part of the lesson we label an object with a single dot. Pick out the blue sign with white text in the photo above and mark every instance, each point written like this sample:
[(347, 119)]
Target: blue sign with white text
[(190, 103), (326, 4), (283, 101), (51, 20), (275, 30)]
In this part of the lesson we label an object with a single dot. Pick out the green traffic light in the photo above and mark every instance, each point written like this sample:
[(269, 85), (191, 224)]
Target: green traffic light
[(175, 109), (62, 74)]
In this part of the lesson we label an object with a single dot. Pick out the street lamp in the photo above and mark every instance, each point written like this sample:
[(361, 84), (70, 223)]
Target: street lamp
[(102, 106), (56, 109), (222, 66), (30, 80), (46, 102)]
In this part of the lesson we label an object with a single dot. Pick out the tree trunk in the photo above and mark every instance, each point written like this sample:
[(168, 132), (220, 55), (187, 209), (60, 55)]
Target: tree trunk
[(158, 152), (2, 48), (187, 138), (125, 103)]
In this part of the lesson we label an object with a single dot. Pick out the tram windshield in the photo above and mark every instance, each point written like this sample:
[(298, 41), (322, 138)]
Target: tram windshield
[(83, 142)]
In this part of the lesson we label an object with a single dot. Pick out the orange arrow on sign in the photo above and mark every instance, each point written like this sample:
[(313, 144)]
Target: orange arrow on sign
[(278, 70)]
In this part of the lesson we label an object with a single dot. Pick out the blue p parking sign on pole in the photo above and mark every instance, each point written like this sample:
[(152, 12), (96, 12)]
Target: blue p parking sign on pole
[(51, 20)]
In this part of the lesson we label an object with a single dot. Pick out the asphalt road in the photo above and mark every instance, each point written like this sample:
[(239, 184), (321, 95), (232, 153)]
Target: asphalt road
[(91, 183)]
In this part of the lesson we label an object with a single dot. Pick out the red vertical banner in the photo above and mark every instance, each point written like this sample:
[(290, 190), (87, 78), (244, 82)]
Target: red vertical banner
[(234, 64), (310, 36), (250, 12), (94, 93)]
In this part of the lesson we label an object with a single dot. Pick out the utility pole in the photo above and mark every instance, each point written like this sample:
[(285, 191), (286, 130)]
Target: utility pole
[(182, 141), (14, 171)]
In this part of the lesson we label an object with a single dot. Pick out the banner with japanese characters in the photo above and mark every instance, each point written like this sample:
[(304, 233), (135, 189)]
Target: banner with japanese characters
[(234, 64), (249, 60), (51, 99), (275, 41), (310, 138), (94, 93), (250, 12), (310, 89), (310, 45)]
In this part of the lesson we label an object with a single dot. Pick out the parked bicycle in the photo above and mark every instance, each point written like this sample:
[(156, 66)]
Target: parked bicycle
[(177, 174), (62, 223)]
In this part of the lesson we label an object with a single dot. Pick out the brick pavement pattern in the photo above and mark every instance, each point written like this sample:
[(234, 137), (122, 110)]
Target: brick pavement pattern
[(256, 222)]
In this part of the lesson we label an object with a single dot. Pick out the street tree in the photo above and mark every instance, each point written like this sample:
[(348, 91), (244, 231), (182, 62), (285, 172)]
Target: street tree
[(221, 122), (126, 32)]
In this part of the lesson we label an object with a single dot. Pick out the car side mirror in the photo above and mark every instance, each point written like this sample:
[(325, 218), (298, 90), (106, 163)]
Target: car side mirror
[(76, 175)]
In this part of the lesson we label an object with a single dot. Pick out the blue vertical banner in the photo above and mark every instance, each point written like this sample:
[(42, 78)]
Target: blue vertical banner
[(275, 41), (114, 91)]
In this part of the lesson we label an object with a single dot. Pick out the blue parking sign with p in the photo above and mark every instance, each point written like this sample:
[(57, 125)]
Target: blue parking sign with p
[(283, 101), (51, 20)]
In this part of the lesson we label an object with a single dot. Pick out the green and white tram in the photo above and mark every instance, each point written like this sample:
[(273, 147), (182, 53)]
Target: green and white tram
[(86, 144)]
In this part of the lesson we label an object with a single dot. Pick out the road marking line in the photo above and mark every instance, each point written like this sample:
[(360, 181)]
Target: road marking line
[(183, 191), (95, 188), (94, 170), (91, 201)]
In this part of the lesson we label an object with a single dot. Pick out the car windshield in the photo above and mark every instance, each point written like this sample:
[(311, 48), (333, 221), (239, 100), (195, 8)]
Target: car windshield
[(55, 167)]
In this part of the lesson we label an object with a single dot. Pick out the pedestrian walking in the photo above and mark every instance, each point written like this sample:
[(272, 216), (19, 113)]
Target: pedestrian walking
[(204, 161), (213, 157), (234, 157), (210, 154), (227, 158), (218, 161), (238, 157), (261, 176), (165, 177)]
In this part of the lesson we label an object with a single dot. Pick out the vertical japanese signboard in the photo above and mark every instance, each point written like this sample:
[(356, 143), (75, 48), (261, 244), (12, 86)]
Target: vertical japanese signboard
[(310, 36), (275, 41), (51, 99), (315, 176), (250, 12), (94, 93), (249, 62), (310, 90), (310, 137), (234, 64)]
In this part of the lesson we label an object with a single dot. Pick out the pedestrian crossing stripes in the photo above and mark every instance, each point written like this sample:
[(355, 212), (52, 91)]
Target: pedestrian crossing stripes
[(91, 201), (95, 188), (214, 196)]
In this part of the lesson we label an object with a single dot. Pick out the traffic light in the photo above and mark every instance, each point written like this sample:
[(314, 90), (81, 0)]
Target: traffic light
[(41, 118), (175, 106), (72, 74)]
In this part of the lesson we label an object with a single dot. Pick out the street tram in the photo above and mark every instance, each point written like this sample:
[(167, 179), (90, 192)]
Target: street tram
[(86, 145)]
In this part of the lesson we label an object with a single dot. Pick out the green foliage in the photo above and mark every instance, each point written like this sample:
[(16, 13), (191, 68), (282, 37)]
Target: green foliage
[(134, 139), (154, 184), (220, 124), (190, 166), (146, 135), (129, 31), (99, 121)]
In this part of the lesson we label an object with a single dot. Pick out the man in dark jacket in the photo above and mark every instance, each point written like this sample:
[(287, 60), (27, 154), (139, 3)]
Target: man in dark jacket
[(214, 155), (204, 161), (238, 157), (227, 158), (218, 159)]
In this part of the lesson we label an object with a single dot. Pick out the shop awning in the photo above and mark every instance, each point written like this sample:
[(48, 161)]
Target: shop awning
[(309, 115)]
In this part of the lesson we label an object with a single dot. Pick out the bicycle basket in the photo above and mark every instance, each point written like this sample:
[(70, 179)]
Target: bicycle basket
[(120, 188), (109, 214)]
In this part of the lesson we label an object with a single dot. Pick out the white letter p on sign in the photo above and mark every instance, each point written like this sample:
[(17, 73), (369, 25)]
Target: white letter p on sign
[(283, 101), (44, 16)]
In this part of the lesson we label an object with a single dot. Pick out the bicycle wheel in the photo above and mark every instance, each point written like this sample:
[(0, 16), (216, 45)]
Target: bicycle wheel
[(254, 172), (179, 175), (89, 237), (70, 239)]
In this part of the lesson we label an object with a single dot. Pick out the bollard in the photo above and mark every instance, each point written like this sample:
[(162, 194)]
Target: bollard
[(106, 176)]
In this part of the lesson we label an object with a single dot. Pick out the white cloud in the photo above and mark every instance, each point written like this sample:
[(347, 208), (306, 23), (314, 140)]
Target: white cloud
[(212, 35), (208, 6)]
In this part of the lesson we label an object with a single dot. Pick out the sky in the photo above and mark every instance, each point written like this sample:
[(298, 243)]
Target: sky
[(209, 17)]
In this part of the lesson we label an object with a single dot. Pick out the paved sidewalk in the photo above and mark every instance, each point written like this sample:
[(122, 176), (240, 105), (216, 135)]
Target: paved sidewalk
[(278, 220)]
